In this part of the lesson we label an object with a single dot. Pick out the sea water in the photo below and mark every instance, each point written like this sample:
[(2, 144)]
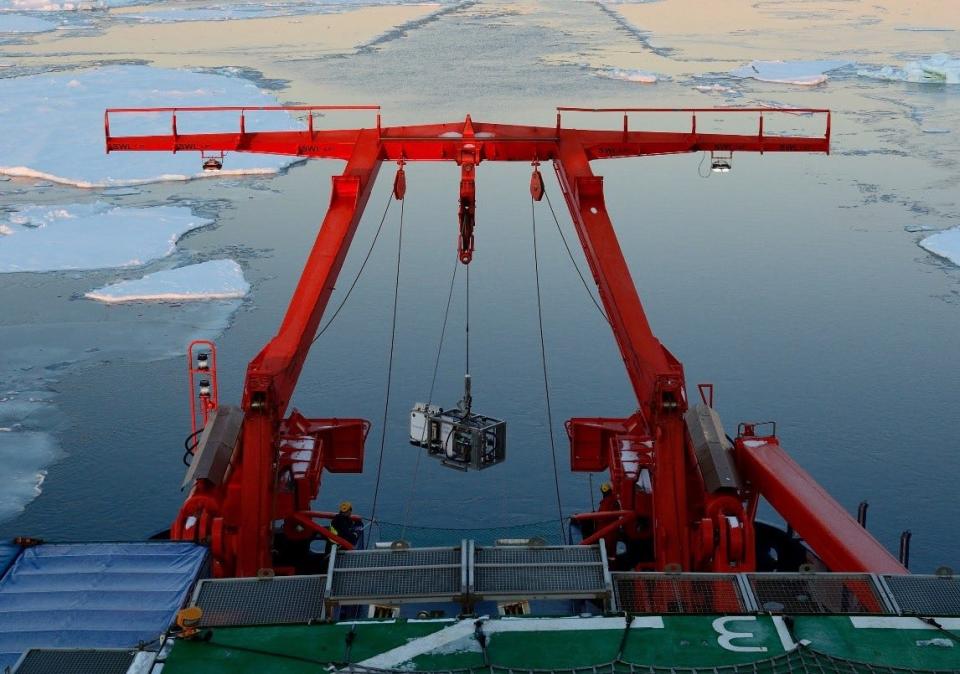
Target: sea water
[(793, 283)]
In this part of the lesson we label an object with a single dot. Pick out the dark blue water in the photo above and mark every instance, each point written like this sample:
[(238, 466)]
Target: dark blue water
[(789, 283)]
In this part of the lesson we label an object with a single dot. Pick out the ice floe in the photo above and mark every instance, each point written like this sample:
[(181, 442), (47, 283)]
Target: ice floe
[(68, 6), (945, 244), (935, 69), (91, 236), (716, 89), (629, 74), (212, 280), (53, 124), (23, 456), (22, 23), (805, 73), (224, 11)]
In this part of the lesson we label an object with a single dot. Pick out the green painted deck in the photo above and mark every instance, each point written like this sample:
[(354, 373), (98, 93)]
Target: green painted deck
[(703, 643)]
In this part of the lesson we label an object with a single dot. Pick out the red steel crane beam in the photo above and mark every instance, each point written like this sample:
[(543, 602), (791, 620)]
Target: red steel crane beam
[(656, 376), (839, 539), (648, 454)]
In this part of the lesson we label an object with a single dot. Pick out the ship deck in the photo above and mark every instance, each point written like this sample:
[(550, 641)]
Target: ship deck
[(593, 644), (501, 609)]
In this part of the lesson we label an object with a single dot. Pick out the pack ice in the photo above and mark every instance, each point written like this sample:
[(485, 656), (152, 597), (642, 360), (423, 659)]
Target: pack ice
[(90, 236), (945, 244), (61, 6), (53, 124), (805, 73), (629, 74), (935, 69), (277, 8), (211, 280)]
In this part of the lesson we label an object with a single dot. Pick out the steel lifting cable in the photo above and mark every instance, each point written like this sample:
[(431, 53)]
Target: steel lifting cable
[(546, 381), (586, 287), (363, 265), (433, 383), (386, 402), (573, 260)]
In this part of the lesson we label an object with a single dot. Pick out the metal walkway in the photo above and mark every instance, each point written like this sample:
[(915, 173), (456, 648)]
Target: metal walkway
[(468, 574)]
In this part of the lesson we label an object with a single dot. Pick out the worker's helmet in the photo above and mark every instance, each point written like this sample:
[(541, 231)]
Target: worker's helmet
[(346, 507), (605, 488)]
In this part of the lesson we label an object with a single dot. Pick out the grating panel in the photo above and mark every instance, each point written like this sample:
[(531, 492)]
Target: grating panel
[(76, 661), (926, 595), (523, 572), (247, 601), (800, 593), (358, 559), (534, 580), (657, 593), (573, 554), (396, 583)]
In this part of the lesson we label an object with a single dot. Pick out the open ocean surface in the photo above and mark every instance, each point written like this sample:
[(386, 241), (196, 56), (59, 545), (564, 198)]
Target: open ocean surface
[(792, 283)]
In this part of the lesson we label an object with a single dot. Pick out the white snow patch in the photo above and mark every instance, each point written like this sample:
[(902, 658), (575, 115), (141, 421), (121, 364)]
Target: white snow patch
[(91, 236), (20, 23), (716, 89), (804, 73), (213, 280), (935, 69), (629, 75), (945, 244), (53, 124)]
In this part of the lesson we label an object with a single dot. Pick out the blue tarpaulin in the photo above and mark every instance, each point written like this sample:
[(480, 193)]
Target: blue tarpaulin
[(8, 552), (94, 595)]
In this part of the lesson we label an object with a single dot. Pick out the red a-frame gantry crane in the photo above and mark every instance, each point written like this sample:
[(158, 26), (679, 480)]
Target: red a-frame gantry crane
[(685, 491)]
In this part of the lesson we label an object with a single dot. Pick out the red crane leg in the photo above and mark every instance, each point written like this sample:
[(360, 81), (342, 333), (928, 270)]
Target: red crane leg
[(823, 523), (656, 376), (271, 376)]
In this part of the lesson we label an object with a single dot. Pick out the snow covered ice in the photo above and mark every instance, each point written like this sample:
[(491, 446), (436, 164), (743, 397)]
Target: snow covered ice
[(90, 236), (629, 74), (935, 69), (222, 11), (53, 124), (805, 73), (215, 279), (945, 244)]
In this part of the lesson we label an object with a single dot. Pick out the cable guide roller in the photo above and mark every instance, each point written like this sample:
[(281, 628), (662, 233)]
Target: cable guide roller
[(457, 437)]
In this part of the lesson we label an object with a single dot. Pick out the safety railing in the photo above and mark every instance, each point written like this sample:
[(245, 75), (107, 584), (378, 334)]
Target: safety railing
[(924, 595), (242, 111), (693, 112), (273, 600), (652, 593), (468, 574), (819, 593)]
